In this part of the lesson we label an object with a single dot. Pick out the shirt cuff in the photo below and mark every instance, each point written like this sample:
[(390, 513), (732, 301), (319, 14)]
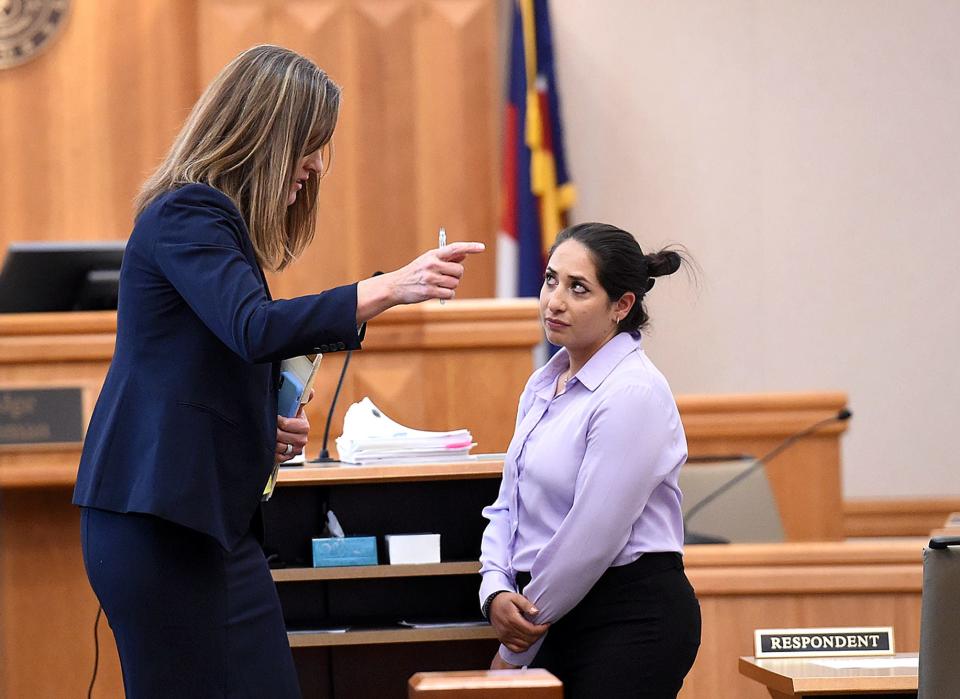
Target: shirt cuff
[(494, 581), (526, 657)]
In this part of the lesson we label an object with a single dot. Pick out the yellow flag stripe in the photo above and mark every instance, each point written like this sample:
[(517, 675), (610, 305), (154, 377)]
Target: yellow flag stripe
[(554, 201), (529, 42)]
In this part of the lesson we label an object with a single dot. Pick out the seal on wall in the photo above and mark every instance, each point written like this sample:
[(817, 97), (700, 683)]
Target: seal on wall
[(27, 27)]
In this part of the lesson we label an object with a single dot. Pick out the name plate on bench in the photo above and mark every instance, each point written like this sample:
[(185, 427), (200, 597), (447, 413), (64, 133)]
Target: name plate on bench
[(41, 416), (814, 643)]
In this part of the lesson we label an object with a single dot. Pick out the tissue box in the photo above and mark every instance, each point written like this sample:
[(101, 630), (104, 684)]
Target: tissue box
[(413, 548), (345, 551)]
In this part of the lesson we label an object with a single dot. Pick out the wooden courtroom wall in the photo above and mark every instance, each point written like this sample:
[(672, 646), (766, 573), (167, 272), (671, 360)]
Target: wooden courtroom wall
[(82, 124), (86, 121), (416, 147)]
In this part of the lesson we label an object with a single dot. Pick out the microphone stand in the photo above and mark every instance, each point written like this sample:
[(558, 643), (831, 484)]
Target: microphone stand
[(696, 538), (325, 457)]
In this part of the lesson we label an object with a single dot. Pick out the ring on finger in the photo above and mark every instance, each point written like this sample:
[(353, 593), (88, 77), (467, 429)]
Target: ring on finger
[(286, 452)]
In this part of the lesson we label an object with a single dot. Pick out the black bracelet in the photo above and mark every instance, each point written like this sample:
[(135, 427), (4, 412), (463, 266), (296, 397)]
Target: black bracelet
[(485, 609)]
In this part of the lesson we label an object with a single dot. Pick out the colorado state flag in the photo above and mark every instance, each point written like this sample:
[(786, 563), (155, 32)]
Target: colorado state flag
[(537, 192)]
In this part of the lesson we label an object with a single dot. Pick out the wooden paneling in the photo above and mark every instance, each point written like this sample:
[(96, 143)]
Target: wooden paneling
[(46, 605), (477, 355), (416, 144), (743, 587), (897, 517), (48, 624), (83, 123), (462, 363), (805, 478), (430, 366)]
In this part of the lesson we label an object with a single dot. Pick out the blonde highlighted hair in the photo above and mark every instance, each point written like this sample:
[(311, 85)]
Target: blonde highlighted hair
[(265, 111)]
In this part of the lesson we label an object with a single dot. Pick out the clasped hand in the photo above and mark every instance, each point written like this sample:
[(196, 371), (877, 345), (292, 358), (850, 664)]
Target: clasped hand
[(509, 614)]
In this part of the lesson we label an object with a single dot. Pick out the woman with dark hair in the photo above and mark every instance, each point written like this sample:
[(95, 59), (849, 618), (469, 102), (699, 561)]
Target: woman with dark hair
[(582, 559), (185, 435)]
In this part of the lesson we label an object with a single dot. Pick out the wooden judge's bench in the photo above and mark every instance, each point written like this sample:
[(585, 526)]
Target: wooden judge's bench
[(439, 367)]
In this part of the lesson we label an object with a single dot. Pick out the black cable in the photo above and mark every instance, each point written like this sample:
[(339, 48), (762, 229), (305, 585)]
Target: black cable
[(96, 651)]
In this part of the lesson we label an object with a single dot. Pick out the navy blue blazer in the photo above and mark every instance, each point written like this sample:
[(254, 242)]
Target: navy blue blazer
[(185, 426)]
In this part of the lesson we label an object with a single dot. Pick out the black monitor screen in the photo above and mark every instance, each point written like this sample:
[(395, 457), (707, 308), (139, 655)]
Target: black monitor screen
[(63, 276)]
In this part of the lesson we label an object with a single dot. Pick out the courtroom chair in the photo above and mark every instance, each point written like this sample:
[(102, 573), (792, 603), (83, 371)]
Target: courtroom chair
[(939, 672), (530, 683), (728, 500)]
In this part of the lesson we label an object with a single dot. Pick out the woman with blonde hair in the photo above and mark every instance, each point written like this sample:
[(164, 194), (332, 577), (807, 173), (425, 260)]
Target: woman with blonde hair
[(185, 433)]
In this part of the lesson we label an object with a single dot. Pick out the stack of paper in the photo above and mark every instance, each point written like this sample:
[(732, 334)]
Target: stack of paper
[(371, 437)]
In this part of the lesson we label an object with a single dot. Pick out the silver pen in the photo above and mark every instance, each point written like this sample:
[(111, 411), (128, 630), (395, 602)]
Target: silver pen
[(441, 243)]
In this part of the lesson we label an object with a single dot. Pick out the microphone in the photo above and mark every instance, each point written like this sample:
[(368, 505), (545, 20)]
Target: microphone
[(325, 457), (694, 538)]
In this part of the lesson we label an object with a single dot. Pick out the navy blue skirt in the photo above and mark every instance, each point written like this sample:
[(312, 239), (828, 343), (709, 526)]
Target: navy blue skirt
[(190, 619)]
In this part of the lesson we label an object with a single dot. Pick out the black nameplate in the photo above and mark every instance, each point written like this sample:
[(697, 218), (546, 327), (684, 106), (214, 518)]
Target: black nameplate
[(809, 643), (41, 416)]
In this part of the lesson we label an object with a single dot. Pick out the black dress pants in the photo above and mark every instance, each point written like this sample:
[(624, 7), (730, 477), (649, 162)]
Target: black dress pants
[(635, 634), (190, 619)]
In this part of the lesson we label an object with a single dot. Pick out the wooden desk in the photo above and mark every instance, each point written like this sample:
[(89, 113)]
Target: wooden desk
[(744, 587), (741, 587), (485, 684), (805, 677)]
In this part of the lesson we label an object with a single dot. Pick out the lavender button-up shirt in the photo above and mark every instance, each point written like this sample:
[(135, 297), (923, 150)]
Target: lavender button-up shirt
[(589, 480)]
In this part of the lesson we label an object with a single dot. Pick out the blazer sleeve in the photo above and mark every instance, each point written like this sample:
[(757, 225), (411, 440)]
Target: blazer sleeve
[(197, 246)]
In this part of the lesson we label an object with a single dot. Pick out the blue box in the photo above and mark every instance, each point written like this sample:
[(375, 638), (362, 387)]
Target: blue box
[(345, 551)]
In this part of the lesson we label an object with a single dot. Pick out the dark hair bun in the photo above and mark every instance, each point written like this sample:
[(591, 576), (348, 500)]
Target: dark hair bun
[(660, 264), (621, 265)]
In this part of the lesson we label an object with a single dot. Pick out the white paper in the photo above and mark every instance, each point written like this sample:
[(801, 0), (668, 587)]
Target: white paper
[(328, 629), (442, 624), (867, 663), (413, 548), (369, 436)]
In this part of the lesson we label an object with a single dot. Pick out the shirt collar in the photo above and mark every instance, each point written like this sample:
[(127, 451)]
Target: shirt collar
[(556, 365), (597, 368)]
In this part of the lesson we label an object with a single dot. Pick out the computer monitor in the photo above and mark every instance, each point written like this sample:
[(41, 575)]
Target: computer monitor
[(61, 276)]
